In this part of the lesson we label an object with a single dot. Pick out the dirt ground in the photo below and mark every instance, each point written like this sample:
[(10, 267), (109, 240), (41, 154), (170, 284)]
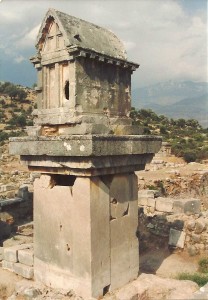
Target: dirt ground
[(163, 173), (7, 283), (163, 263), (156, 261)]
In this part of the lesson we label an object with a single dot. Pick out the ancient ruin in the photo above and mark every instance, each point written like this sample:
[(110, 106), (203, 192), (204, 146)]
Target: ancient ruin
[(86, 148)]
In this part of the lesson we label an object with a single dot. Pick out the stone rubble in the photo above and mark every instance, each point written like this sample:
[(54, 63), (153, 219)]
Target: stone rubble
[(145, 287), (19, 259), (12, 174), (180, 220)]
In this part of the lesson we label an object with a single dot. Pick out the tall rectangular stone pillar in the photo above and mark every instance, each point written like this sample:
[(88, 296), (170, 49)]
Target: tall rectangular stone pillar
[(87, 228)]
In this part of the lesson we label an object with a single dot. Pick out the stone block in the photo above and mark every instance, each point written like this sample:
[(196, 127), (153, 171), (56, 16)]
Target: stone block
[(164, 204), (191, 225), (192, 250), (8, 265), (11, 253), (100, 229), (176, 238), (23, 192), (192, 206), (6, 188), (23, 270), (124, 252), (195, 238), (142, 201), (128, 292), (187, 206), (200, 225), (151, 202), (146, 194), (26, 257), (84, 129)]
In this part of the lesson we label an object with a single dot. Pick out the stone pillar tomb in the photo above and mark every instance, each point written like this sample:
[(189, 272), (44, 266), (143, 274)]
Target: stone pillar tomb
[(85, 147)]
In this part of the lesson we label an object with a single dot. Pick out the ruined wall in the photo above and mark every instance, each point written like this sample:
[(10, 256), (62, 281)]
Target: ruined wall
[(180, 223), (103, 87)]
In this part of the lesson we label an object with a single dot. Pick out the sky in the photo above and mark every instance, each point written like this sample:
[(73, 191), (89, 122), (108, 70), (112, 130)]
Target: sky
[(168, 38)]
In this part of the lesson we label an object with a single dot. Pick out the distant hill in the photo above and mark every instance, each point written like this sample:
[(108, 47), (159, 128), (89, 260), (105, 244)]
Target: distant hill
[(175, 99), (16, 104)]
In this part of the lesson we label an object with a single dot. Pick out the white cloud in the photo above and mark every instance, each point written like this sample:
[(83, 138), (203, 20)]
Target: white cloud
[(19, 59), (29, 38), (161, 36)]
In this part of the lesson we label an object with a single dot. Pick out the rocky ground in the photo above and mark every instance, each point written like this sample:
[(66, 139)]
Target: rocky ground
[(156, 280), (12, 174), (175, 178)]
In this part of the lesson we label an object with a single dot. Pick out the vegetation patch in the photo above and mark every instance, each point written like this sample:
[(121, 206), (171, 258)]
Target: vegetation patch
[(16, 106), (203, 265), (187, 137), (200, 279)]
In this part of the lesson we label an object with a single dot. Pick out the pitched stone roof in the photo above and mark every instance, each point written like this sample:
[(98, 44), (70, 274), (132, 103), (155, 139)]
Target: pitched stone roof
[(83, 34)]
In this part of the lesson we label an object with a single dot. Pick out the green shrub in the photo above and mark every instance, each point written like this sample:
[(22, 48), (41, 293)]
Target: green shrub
[(18, 120), (3, 136), (146, 130), (163, 130), (200, 279), (203, 265), (29, 123), (190, 156)]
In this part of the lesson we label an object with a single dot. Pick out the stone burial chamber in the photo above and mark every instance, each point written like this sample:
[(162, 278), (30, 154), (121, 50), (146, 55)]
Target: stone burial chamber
[(87, 150)]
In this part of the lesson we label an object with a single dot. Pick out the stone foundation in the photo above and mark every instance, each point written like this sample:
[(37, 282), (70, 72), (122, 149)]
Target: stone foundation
[(19, 259)]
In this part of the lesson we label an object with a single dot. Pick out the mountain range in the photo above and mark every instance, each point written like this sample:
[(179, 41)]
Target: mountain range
[(174, 99)]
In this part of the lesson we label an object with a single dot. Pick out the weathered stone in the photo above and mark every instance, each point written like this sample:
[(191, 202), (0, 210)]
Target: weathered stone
[(85, 145), (23, 270), (150, 225), (128, 292), (200, 225), (200, 246), (186, 206), (31, 293), (142, 201), (164, 204), (26, 257), (176, 238), (126, 129), (84, 129), (8, 265), (192, 250), (6, 187), (151, 202), (195, 238), (191, 224), (192, 207), (151, 209), (23, 192), (11, 253), (150, 286), (146, 194)]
